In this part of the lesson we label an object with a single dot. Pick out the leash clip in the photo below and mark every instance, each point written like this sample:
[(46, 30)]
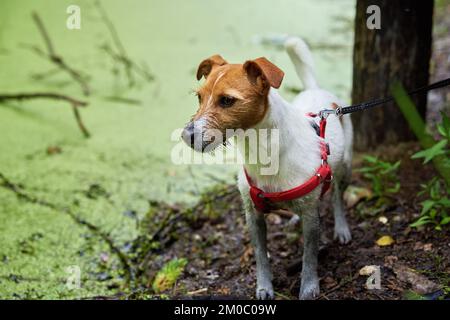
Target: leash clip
[(324, 113)]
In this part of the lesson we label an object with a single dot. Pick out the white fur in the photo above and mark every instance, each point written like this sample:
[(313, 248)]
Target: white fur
[(299, 143), (299, 152)]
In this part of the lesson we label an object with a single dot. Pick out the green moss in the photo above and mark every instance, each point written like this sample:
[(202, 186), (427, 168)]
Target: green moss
[(127, 159), (168, 275)]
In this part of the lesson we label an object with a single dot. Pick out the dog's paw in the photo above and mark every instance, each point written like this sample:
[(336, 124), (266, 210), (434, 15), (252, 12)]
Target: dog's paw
[(264, 292), (342, 233), (309, 290)]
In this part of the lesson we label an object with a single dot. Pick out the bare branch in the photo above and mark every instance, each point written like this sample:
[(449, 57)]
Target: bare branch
[(44, 34), (80, 122), (43, 95), (75, 103), (54, 57), (121, 55)]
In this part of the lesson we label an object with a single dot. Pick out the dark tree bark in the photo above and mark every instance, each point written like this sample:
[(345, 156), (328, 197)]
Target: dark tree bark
[(401, 51)]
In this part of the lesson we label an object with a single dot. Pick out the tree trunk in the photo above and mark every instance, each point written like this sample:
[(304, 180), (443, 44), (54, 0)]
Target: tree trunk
[(401, 51)]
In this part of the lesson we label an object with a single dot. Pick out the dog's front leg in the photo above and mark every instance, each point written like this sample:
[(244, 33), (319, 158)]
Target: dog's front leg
[(309, 288), (257, 228)]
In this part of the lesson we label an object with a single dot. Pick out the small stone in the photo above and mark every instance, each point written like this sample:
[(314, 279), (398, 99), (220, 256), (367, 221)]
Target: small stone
[(197, 237), (383, 219)]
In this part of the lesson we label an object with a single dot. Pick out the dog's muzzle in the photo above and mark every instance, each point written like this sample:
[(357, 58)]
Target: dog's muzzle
[(199, 138), (188, 134)]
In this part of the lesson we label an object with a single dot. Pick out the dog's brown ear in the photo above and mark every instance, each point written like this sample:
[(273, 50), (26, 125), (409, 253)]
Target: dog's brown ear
[(265, 70), (205, 67)]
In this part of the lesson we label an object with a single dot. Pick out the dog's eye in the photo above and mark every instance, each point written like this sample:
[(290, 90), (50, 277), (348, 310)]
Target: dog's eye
[(199, 97), (225, 101)]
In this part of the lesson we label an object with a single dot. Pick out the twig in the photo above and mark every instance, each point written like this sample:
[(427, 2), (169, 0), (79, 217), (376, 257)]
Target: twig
[(284, 213), (342, 283), (41, 27), (121, 55), (80, 122), (7, 184), (119, 99), (202, 290), (54, 57), (75, 103), (216, 179), (43, 95), (46, 74)]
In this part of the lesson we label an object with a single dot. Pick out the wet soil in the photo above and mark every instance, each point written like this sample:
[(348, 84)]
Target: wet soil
[(213, 237)]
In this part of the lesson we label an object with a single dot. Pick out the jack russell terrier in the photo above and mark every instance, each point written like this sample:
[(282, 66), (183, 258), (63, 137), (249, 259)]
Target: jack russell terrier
[(244, 96)]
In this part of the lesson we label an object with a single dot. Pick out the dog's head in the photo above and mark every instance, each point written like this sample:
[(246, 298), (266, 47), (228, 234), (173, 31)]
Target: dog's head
[(233, 96)]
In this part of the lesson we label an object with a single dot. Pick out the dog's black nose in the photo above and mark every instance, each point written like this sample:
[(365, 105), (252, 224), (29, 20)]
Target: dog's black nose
[(188, 134)]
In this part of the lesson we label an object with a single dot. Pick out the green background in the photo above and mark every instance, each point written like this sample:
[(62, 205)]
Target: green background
[(128, 155)]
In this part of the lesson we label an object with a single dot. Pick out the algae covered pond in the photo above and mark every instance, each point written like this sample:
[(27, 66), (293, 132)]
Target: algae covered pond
[(67, 201)]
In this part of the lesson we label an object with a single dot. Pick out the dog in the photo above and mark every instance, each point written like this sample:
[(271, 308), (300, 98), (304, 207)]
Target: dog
[(245, 96)]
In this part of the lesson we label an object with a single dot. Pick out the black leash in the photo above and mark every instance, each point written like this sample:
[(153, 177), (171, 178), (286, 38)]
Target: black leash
[(370, 104)]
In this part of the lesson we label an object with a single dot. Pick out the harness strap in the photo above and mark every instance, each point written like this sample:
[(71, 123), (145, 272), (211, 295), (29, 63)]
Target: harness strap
[(263, 200)]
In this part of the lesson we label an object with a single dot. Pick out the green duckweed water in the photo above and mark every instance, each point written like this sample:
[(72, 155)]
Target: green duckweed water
[(107, 178)]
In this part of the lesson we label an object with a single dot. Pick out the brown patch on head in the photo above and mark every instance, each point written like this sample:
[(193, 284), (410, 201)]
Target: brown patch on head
[(205, 67), (235, 96), (265, 71)]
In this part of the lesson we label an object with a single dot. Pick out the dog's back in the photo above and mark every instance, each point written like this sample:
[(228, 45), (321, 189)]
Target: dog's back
[(313, 99)]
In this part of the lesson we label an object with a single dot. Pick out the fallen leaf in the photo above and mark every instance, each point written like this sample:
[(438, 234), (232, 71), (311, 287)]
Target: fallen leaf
[(329, 282), (425, 247), (53, 150), (389, 261), (168, 275), (407, 231), (171, 173), (224, 291), (353, 195), (419, 283), (368, 270), (248, 253), (273, 218), (385, 241), (418, 246)]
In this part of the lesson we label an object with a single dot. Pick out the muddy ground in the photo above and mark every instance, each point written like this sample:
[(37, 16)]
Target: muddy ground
[(213, 238)]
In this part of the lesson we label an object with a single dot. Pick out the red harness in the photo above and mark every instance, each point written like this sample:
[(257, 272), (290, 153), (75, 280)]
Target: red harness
[(263, 200)]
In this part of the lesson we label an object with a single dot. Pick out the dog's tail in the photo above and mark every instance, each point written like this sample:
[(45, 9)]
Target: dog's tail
[(299, 53), (303, 62)]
